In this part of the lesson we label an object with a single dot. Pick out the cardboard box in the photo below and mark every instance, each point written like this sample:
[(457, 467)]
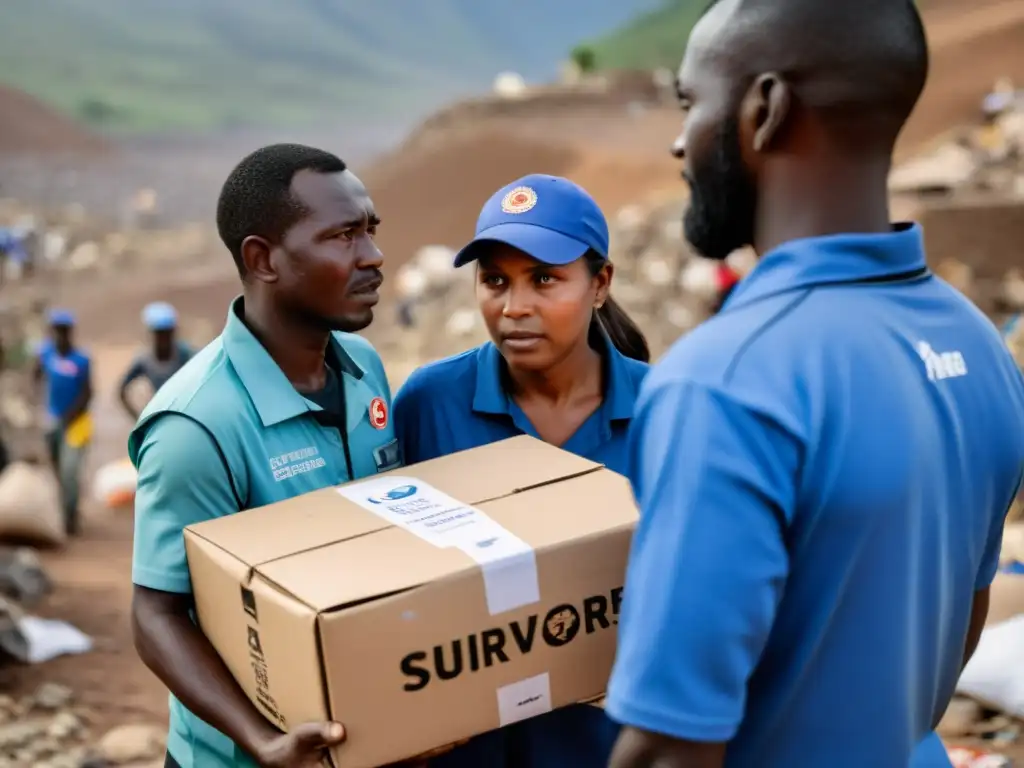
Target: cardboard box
[(393, 606)]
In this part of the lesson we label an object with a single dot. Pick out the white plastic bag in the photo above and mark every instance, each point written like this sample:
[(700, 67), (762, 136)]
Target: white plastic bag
[(114, 484), (995, 674)]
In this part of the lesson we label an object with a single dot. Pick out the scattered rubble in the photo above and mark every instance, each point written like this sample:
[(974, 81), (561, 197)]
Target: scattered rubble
[(48, 730), (986, 157)]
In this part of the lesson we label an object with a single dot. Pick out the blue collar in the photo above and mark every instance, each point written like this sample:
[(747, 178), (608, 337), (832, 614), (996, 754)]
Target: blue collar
[(274, 397), (814, 261), (490, 396)]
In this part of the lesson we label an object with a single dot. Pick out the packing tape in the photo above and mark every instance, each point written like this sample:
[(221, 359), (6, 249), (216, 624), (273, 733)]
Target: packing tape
[(508, 563)]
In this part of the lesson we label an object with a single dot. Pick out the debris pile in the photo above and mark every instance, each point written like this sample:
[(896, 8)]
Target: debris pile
[(968, 721), (987, 157), (48, 730), (69, 240)]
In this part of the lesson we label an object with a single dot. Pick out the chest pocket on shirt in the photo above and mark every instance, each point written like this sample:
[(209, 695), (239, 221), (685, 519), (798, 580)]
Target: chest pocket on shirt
[(388, 456)]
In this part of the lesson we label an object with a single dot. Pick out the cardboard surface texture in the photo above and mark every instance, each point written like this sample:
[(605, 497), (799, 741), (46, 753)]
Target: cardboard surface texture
[(424, 605)]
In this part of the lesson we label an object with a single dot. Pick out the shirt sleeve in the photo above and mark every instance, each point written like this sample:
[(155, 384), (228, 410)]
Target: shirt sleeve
[(182, 480), (715, 483), (994, 544)]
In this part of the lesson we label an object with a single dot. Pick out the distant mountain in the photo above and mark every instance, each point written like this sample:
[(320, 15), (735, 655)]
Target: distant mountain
[(204, 64)]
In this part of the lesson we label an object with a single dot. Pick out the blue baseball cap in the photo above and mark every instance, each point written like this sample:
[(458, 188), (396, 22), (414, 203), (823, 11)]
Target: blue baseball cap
[(160, 316), (550, 218), (61, 318)]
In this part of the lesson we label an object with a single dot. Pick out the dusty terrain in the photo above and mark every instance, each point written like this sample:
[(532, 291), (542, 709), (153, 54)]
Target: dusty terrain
[(428, 191)]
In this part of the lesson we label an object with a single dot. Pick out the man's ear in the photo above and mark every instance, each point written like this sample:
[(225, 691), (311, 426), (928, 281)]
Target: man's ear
[(765, 109), (257, 261)]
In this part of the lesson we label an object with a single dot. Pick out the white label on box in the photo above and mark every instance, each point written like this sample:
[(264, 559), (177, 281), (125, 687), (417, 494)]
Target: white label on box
[(508, 563), (525, 699)]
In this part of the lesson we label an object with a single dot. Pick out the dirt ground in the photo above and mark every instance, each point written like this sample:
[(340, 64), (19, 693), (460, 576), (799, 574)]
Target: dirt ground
[(431, 195), (93, 587)]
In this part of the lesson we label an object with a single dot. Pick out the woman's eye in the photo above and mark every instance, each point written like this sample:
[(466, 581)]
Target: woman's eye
[(545, 279), (348, 235), (371, 231), (495, 281)]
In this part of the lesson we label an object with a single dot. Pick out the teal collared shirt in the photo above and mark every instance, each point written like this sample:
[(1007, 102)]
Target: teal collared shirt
[(229, 432)]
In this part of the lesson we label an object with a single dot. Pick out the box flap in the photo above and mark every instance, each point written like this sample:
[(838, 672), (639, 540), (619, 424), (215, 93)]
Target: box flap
[(321, 518), (394, 560), (267, 533), (498, 469)]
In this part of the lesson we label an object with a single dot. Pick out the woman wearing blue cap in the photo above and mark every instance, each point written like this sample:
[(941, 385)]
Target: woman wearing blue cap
[(164, 357), (564, 365)]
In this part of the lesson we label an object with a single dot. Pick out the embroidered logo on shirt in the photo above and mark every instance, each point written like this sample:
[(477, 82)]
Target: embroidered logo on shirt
[(941, 365), (296, 463), (378, 413)]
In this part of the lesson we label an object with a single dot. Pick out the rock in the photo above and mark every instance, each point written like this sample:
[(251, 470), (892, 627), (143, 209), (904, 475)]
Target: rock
[(17, 734), (52, 696), (128, 743), (13, 642), (1012, 549), (64, 726), (1013, 289), (85, 256), (957, 274), (960, 718), (22, 576)]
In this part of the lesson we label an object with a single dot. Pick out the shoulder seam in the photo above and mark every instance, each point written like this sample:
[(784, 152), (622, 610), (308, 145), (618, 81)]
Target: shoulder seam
[(216, 444), (748, 342)]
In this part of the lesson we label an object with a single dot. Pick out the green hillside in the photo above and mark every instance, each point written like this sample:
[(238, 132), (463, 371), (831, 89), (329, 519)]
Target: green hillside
[(143, 65), (655, 39)]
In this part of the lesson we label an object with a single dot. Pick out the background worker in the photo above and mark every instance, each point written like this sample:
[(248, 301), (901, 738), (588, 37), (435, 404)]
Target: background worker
[(824, 467), (162, 358), (285, 401), (65, 372), (564, 364)]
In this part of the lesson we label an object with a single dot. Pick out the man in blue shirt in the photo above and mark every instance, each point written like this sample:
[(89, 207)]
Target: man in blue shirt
[(824, 467), (285, 401), (65, 371)]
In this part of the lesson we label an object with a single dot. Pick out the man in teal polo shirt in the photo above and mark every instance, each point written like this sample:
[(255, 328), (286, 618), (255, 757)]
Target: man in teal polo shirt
[(285, 401)]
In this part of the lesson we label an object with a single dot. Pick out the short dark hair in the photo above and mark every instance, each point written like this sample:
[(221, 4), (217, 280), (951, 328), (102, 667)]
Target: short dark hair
[(256, 198), (860, 63)]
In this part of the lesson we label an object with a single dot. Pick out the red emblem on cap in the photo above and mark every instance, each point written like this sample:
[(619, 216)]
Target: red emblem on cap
[(519, 200), (378, 413)]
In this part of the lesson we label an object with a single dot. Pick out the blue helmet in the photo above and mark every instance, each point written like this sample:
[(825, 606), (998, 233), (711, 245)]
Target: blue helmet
[(160, 316)]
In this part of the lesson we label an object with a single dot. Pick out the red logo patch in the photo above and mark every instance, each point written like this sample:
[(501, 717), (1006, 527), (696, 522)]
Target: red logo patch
[(378, 413)]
